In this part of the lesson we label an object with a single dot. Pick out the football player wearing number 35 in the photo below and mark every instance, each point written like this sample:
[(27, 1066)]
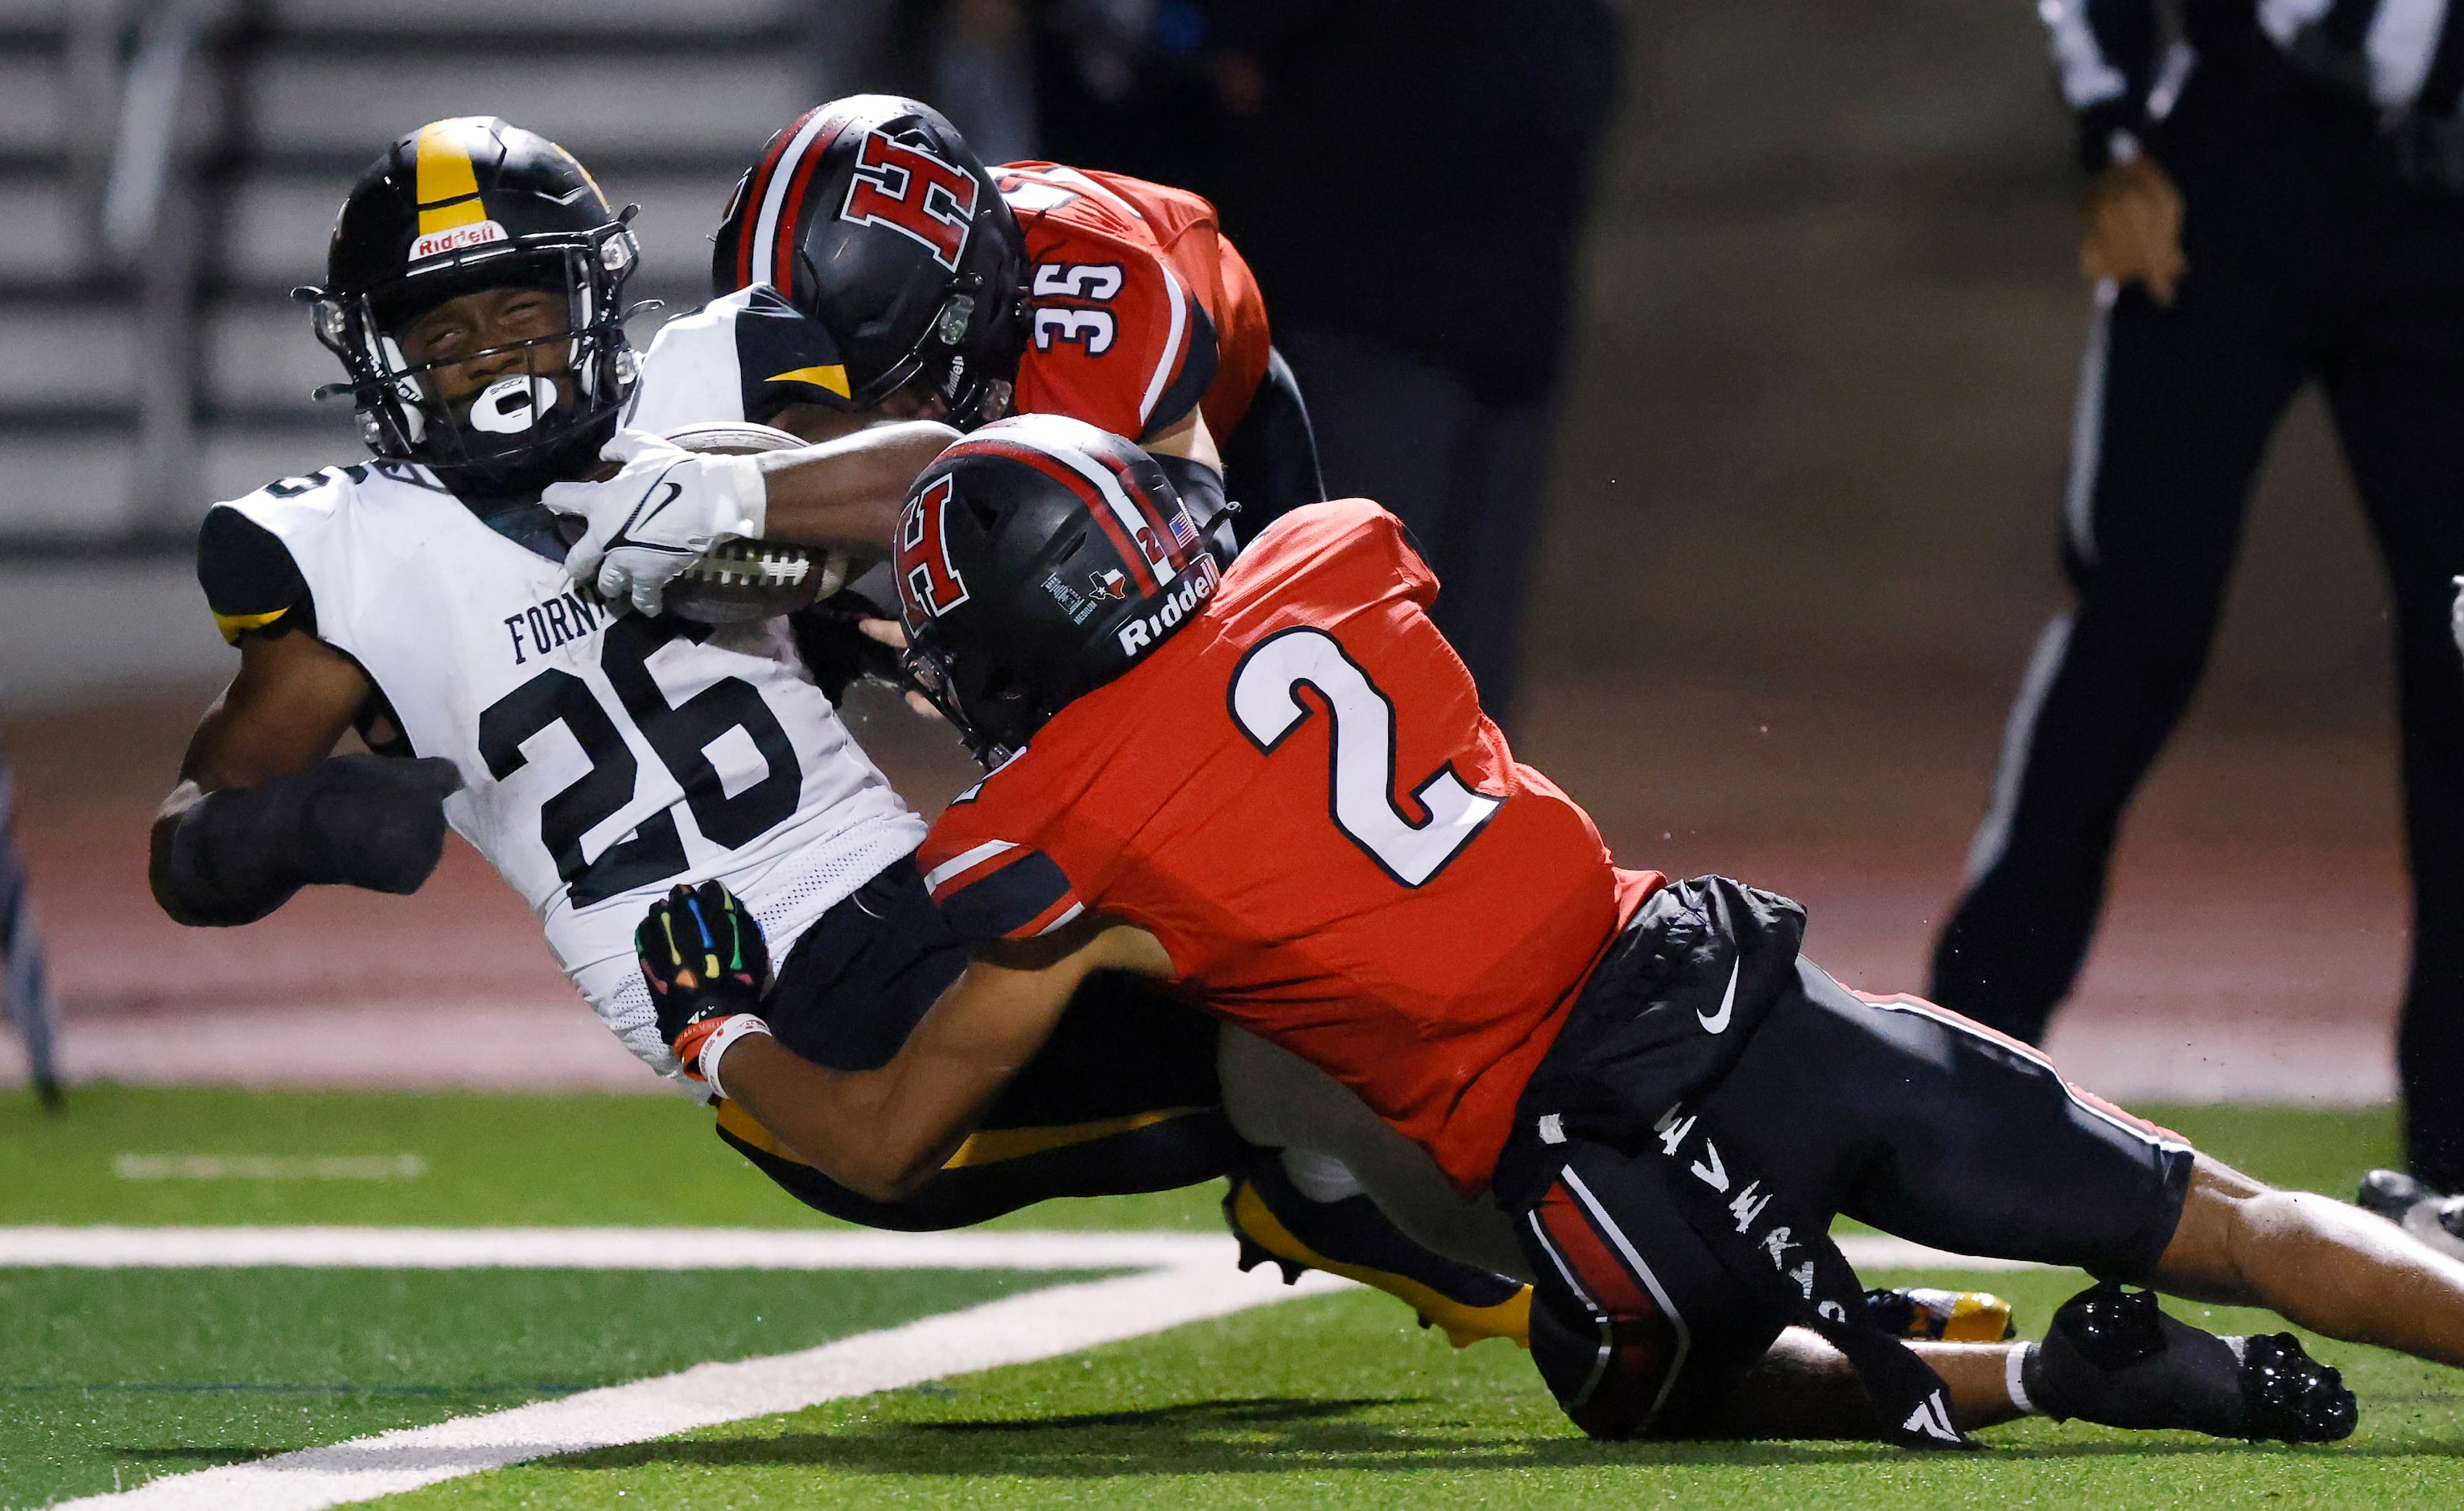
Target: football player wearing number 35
[(869, 268), (597, 753)]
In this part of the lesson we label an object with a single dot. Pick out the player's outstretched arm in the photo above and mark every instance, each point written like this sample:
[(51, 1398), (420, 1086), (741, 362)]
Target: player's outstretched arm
[(881, 1133), (667, 506), (260, 812)]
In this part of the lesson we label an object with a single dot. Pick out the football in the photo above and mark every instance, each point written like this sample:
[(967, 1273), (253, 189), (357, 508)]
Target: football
[(737, 581)]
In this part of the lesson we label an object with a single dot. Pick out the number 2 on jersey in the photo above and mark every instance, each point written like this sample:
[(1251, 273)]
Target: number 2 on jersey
[(680, 734), (1362, 797)]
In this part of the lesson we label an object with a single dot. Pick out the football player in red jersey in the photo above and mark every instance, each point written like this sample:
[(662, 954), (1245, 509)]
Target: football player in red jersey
[(1273, 789), (871, 268)]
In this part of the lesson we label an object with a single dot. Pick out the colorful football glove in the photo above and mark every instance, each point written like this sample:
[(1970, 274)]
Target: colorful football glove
[(707, 966)]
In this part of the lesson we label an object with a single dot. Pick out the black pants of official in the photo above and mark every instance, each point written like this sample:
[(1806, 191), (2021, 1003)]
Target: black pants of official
[(2309, 261)]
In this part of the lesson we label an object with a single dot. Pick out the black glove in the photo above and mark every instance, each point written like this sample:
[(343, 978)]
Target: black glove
[(704, 960), (352, 821), (835, 652), (373, 821)]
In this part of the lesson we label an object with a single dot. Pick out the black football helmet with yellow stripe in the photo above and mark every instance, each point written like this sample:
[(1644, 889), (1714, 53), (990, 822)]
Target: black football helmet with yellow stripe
[(455, 208)]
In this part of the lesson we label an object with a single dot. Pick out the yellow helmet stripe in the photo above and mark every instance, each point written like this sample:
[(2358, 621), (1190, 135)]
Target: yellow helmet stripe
[(832, 377), (447, 187), (235, 625)]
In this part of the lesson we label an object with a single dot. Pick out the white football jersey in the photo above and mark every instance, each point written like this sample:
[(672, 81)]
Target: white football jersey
[(607, 757)]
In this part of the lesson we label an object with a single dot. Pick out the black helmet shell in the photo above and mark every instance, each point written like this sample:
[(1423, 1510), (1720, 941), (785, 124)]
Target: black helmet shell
[(874, 219), (1038, 560), (459, 205)]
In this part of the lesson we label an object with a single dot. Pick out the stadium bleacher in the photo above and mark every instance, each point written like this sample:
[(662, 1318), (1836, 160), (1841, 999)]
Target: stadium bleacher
[(281, 103)]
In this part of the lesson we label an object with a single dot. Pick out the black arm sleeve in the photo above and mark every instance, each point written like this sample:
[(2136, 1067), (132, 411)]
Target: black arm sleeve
[(1270, 458), (249, 579), (358, 820)]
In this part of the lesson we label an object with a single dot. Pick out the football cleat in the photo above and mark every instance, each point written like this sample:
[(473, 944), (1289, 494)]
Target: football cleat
[(2114, 1357), (2434, 1219), (2391, 1194), (1277, 1225), (1939, 1316)]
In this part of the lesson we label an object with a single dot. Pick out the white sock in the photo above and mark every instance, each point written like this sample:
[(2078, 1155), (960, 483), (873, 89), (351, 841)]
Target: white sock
[(1320, 1178), (2013, 1372)]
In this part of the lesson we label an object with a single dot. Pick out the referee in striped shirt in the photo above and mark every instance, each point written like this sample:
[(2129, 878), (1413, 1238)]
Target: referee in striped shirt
[(2278, 197)]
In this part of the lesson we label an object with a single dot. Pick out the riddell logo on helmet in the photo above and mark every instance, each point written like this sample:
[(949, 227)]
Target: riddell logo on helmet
[(456, 238), (1196, 588)]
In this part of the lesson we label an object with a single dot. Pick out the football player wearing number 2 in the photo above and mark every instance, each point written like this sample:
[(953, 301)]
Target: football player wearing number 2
[(1272, 788)]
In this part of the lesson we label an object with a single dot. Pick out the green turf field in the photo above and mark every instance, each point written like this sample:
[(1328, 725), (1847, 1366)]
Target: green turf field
[(1336, 1401)]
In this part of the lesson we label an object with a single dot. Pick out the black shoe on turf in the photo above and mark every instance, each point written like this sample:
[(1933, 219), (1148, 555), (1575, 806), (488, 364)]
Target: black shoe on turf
[(2113, 1357), (2391, 1194)]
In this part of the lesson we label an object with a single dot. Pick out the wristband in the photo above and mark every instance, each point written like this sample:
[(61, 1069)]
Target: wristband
[(714, 1048)]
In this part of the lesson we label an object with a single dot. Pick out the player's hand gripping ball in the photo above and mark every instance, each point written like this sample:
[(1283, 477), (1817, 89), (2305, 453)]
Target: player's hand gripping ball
[(706, 962)]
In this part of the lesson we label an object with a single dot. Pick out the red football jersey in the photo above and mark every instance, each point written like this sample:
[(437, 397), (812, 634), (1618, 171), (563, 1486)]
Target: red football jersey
[(1139, 309), (1299, 795)]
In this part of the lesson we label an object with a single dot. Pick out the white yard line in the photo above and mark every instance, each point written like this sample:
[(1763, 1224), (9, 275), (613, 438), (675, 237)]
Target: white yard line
[(704, 1249), (1183, 1278), (1195, 1281)]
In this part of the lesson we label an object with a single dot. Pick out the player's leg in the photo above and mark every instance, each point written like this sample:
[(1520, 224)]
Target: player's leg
[(2314, 1260), (2174, 410), (2395, 385), (1938, 1129)]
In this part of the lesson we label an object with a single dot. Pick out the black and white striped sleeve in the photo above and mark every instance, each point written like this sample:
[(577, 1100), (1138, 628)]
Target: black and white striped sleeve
[(2105, 57)]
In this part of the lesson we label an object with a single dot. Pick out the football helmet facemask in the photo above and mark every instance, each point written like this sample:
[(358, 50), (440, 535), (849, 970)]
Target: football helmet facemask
[(878, 224), (1037, 560), (456, 208)]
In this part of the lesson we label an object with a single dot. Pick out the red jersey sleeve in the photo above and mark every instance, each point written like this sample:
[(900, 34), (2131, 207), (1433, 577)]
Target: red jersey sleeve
[(1116, 336), (995, 888)]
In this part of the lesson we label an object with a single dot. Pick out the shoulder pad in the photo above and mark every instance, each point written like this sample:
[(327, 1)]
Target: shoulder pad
[(251, 581), (785, 357), (690, 374)]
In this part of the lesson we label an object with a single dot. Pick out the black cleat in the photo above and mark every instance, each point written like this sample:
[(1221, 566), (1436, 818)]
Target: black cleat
[(2291, 1397), (2391, 1194), (2436, 1220), (2113, 1357)]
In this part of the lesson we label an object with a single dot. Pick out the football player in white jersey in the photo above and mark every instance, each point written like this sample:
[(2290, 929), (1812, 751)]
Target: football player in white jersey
[(598, 754)]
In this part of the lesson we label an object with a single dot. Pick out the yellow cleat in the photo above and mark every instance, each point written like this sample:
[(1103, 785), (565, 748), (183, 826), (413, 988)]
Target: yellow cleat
[(1353, 1238), (1923, 1312)]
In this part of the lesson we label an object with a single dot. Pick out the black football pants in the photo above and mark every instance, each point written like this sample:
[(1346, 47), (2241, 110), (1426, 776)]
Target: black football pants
[(2307, 262)]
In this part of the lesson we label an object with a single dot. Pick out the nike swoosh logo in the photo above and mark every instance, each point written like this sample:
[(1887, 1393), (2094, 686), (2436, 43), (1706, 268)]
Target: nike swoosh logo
[(643, 514), (1718, 1022)]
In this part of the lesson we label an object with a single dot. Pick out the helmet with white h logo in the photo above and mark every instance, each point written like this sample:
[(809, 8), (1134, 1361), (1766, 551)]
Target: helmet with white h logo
[(874, 219), (1038, 560)]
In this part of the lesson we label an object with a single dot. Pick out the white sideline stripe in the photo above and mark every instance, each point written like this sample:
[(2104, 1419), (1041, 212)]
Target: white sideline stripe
[(705, 1249), (602, 1249), (1017, 1330)]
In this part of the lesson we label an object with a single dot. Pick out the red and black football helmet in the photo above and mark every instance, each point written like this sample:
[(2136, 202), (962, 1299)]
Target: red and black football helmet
[(875, 221), (457, 206), (1038, 560)]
